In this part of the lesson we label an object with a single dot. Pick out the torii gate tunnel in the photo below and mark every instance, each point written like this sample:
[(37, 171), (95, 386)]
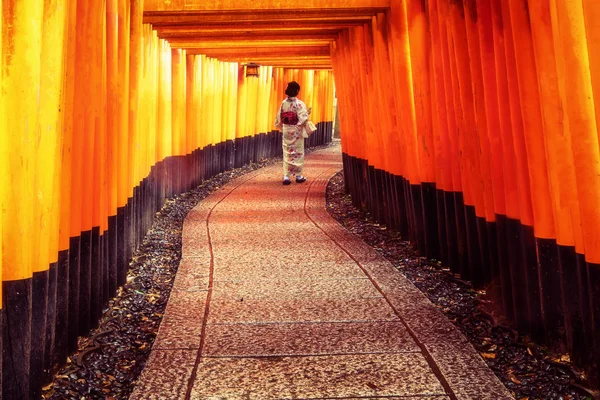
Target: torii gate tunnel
[(468, 125)]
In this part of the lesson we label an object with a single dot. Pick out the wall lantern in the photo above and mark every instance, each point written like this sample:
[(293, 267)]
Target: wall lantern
[(252, 70)]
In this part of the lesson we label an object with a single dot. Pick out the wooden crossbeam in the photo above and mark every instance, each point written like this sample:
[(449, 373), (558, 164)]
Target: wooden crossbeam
[(297, 34), (192, 44), (258, 5), (265, 52), (242, 40), (208, 18), (202, 33)]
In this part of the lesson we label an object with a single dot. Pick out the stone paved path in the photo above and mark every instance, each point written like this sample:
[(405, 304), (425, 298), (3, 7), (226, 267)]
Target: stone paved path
[(275, 300)]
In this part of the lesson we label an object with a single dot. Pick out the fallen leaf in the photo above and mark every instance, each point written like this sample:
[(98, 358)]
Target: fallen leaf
[(488, 355)]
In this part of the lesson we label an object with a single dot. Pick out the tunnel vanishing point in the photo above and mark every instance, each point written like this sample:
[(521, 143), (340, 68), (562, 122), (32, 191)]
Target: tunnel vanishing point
[(470, 126)]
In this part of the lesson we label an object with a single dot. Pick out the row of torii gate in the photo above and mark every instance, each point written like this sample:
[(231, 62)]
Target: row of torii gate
[(470, 126)]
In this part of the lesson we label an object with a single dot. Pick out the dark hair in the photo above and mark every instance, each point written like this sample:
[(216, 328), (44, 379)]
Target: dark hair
[(292, 89)]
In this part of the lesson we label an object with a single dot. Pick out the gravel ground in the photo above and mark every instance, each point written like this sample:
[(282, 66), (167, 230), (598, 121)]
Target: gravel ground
[(527, 369)]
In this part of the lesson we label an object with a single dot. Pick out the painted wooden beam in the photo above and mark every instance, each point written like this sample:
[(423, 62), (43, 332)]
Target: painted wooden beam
[(273, 16), (192, 44), (177, 5)]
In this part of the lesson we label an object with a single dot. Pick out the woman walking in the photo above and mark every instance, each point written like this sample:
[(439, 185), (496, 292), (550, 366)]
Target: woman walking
[(291, 117)]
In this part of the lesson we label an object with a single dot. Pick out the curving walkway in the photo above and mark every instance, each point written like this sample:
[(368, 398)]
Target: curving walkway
[(275, 300)]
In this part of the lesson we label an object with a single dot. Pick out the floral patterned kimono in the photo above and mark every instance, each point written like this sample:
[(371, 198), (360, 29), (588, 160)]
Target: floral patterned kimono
[(293, 139)]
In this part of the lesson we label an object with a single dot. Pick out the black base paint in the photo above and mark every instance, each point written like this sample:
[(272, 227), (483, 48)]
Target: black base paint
[(419, 220), (16, 337), (506, 291), (518, 275), (593, 272), (461, 236), (484, 250), (121, 267), (475, 271), (51, 322), (85, 282), (73, 306), (430, 216), (96, 280), (585, 296), (441, 227), (571, 302), (550, 295), (38, 332), (493, 289), (534, 285), (62, 310), (451, 232)]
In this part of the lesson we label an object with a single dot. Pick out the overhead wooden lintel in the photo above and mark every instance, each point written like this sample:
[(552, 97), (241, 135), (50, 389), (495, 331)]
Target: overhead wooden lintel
[(241, 40), (173, 32), (265, 52), (259, 16), (191, 44), (305, 26), (229, 5)]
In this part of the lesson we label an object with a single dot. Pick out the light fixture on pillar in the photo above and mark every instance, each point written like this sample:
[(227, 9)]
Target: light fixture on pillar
[(252, 70)]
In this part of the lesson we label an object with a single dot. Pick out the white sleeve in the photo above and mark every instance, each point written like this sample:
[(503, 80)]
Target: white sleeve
[(302, 114)]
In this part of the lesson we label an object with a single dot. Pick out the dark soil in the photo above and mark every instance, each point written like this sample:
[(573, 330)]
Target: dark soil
[(110, 360), (527, 369)]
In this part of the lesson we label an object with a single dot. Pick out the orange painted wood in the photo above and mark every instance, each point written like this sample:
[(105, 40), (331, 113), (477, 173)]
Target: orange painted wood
[(572, 55), (543, 218)]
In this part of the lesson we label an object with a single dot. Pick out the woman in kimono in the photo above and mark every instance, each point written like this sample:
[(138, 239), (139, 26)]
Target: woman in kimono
[(291, 117)]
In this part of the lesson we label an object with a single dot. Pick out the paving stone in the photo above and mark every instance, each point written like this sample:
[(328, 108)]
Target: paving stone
[(281, 269), (310, 377), (328, 310), (182, 323), (166, 375), (306, 339), (290, 254), (271, 289)]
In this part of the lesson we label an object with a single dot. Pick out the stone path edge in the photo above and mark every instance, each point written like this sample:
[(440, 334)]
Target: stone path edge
[(228, 189)]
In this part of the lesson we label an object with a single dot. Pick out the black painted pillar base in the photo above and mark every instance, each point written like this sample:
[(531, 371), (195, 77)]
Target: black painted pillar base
[(550, 296), (418, 217), (38, 332), (96, 280), (121, 267), (461, 237), (451, 232), (112, 251), (441, 227), (572, 297), (593, 272), (62, 310), (73, 306), (494, 286), (475, 273), (16, 335), (430, 217), (51, 322), (506, 291), (85, 283), (519, 275)]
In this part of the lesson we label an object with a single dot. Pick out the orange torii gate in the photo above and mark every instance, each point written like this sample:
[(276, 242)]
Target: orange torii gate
[(470, 126)]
